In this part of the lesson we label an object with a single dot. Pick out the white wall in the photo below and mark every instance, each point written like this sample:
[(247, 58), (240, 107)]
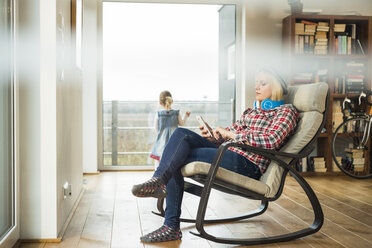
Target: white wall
[(37, 88), (89, 66), (50, 117), (69, 115)]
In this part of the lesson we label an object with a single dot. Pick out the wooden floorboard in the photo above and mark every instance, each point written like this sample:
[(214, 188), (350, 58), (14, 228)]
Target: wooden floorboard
[(109, 216)]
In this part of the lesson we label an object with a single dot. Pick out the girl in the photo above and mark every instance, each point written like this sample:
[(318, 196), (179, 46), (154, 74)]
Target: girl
[(166, 121), (268, 128)]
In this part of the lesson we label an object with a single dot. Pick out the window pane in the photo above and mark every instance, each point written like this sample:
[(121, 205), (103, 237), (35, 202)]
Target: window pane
[(6, 151)]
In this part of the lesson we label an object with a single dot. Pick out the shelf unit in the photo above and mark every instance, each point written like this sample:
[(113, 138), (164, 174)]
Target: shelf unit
[(300, 59)]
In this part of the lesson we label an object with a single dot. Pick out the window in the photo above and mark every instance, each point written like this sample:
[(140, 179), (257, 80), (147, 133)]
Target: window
[(148, 48), (7, 209)]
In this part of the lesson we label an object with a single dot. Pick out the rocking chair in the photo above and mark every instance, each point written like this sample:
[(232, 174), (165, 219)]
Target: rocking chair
[(310, 100)]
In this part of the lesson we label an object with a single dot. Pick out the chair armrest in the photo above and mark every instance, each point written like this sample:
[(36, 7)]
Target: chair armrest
[(263, 151), (271, 154)]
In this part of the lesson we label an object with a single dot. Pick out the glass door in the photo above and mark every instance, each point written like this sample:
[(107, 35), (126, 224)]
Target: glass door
[(151, 47), (7, 206), (226, 51)]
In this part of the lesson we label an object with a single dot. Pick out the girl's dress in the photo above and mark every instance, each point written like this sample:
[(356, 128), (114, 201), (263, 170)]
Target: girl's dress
[(168, 122)]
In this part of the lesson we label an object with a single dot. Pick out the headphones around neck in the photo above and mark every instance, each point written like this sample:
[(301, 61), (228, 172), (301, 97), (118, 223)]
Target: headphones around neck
[(268, 104)]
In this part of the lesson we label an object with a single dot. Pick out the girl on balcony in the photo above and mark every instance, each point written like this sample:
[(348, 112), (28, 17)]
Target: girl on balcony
[(166, 121), (268, 125)]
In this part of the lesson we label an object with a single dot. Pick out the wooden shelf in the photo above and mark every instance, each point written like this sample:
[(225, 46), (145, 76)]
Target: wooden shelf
[(328, 173), (342, 96), (331, 56), (323, 135), (351, 57), (335, 64)]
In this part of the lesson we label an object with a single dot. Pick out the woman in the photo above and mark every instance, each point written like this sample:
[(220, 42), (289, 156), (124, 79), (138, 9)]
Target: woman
[(266, 126)]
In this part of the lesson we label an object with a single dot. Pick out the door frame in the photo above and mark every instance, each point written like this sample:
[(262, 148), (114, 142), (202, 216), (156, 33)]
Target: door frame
[(239, 67), (13, 234)]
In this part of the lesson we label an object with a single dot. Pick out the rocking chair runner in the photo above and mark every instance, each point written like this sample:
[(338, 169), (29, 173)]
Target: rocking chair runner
[(310, 100)]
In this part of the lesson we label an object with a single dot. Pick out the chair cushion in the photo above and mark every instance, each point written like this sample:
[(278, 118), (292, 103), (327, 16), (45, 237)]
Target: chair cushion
[(228, 176), (306, 129), (310, 97)]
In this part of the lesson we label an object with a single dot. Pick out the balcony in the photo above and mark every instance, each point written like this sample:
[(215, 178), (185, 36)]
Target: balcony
[(129, 133)]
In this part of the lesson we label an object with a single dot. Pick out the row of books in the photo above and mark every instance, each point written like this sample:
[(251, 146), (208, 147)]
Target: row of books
[(320, 75), (311, 37), (357, 156), (312, 164), (352, 80), (337, 115), (317, 164), (345, 45), (344, 84), (346, 40), (356, 126), (305, 27)]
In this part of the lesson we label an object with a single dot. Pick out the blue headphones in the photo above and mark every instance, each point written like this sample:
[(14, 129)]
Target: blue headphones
[(268, 104)]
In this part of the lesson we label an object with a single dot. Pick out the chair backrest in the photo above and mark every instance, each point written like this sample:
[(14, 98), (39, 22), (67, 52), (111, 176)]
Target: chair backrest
[(310, 101)]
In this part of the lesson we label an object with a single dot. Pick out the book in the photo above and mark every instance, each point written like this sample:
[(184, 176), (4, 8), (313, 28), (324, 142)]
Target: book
[(310, 29), (323, 24), (321, 34), (320, 28), (339, 27), (344, 44), (339, 45), (354, 88), (299, 28), (351, 30), (309, 23), (360, 47), (355, 80)]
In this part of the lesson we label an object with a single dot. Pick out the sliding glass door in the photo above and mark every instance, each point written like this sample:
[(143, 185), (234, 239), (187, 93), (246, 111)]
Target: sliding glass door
[(7, 206), (188, 49)]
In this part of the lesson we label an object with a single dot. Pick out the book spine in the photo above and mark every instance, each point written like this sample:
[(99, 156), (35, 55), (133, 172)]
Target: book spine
[(344, 44), (339, 46)]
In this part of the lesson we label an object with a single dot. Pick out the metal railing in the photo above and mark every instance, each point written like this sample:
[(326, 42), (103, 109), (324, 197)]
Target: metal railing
[(129, 131)]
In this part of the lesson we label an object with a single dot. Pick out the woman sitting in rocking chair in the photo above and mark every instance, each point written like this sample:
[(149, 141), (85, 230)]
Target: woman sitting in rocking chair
[(267, 125)]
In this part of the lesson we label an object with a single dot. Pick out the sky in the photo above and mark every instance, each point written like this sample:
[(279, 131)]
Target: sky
[(148, 48)]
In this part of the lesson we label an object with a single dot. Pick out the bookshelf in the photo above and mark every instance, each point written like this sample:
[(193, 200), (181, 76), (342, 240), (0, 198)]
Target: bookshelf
[(334, 49)]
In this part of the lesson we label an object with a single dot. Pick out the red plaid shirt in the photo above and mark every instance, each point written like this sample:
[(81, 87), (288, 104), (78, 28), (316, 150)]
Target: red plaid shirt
[(268, 129)]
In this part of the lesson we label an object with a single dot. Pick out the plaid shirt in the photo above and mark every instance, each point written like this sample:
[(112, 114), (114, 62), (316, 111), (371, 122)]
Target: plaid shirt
[(268, 129)]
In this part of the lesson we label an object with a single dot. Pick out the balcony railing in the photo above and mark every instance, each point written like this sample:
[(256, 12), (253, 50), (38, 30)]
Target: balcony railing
[(129, 132)]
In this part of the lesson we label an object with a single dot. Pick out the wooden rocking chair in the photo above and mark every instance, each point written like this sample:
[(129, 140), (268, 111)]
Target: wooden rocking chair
[(311, 101)]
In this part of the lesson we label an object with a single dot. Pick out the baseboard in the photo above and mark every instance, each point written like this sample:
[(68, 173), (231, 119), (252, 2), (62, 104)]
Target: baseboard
[(17, 244), (91, 173), (57, 240), (129, 170), (62, 233), (73, 210)]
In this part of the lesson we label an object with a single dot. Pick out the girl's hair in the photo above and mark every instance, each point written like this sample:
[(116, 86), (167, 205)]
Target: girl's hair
[(277, 89), (166, 99)]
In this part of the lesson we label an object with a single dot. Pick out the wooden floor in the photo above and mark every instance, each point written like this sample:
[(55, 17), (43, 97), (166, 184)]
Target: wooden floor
[(109, 216)]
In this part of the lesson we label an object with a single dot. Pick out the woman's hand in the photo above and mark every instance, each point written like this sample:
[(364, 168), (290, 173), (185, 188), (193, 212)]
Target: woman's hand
[(218, 134), (205, 134), (225, 134)]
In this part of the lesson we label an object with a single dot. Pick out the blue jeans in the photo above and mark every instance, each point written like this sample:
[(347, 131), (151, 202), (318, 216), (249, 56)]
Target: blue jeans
[(185, 146)]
